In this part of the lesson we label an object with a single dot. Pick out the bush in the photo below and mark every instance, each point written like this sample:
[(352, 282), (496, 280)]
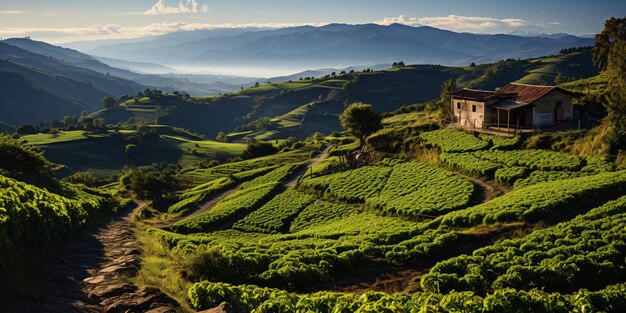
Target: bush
[(258, 149)]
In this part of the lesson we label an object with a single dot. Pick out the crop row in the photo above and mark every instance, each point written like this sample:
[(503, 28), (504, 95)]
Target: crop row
[(249, 298), (415, 188), (452, 140), (586, 252), (201, 192), (276, 215), (241, 202), (321, 212), (529, 204), (30, 215), (398, 188), (275, 176)]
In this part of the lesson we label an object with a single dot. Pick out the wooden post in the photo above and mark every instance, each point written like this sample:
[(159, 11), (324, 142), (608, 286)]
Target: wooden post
[(498, 118), (508, 121), (578, 124), (518, 122)]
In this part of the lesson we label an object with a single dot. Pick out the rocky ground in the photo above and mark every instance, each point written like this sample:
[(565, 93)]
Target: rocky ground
[(93, 275)]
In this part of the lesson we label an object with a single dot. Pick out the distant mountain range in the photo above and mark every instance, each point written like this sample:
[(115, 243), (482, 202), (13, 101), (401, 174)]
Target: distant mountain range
[(334, 45)]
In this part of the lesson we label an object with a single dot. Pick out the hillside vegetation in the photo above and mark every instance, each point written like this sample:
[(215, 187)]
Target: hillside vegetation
[(302, 107)]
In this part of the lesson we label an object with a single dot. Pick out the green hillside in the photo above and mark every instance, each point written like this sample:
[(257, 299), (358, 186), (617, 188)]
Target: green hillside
[(300, 108), (105, 153), (40, 88)]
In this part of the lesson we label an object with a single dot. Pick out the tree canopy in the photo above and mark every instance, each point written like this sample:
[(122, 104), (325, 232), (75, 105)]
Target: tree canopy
[(609, 53), (361, 120), (108, 102)]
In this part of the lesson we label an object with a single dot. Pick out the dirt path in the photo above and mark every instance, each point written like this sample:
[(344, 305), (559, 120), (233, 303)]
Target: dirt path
[(93, 275), (212, 201), (202, 207), (483, 192), (293, 179)]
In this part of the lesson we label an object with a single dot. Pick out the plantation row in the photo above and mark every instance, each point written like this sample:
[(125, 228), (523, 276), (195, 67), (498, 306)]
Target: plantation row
[(456, 141), (30, 215), (406, 189), (528, 166), (276, 215), (277, 175), (586, 252), (242, 202), (530, 205), (200, 193), (297, 261), (247, 298)]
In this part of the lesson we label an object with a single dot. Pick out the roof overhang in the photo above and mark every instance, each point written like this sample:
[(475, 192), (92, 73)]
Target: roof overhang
[(509, 105)]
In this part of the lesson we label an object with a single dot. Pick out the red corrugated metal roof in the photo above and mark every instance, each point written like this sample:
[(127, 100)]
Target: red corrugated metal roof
[(530, 93)]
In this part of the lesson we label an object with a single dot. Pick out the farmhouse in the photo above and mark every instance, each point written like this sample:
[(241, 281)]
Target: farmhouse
[(513, 107)]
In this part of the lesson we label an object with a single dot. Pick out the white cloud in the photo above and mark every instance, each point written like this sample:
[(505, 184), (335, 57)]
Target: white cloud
[(113, 31), (456, 22), (13, 12), (188, 6)]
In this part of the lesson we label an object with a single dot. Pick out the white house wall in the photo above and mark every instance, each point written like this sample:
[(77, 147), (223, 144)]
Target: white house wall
[(465, 117)]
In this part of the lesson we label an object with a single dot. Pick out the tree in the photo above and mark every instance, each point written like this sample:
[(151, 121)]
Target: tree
[(108, 102), (609, 54), (155, 183), (258, 149), (444, 104), (361, 120), (26, 129)]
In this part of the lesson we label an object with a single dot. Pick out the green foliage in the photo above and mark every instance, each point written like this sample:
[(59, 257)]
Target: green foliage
[(321, 212), (276, 215), (31, 216), (153, 183), (361, 120), (452, 140), (509, 175), (242, 202), (108, 102), (415, 189), (23, 162), (469, 164), (249, 298), (586, 252), (258, 149), (275, 176), (85, 178)]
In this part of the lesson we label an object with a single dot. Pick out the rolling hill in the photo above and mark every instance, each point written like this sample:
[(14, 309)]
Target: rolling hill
[(301, 107), (337, 45), (123, 70)]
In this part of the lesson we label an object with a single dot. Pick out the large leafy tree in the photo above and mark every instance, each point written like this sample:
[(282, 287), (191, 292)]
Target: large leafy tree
[(361, 120), (444, 102), (609, 53), (108, 102)]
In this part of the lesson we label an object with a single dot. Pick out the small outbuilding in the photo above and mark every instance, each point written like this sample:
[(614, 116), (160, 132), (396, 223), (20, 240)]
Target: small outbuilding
[(512, 107)]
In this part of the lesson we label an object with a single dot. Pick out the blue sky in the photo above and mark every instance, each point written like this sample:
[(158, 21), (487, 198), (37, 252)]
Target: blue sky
[(71, 20)]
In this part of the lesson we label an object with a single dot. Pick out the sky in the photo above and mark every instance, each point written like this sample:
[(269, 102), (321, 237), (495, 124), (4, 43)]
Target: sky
[(60, 21)]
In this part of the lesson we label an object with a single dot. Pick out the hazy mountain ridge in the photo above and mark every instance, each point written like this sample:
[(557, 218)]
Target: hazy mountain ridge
[(338, 45)]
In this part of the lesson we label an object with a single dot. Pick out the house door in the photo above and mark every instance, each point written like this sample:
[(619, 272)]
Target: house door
[(559, 114)]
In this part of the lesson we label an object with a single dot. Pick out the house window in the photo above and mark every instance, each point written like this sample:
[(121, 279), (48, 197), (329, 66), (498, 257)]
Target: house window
[(458, 105), (558, 104), (473, 108)]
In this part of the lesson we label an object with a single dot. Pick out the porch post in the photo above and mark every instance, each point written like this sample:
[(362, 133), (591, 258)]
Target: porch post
[(508, 120), (498, 118)]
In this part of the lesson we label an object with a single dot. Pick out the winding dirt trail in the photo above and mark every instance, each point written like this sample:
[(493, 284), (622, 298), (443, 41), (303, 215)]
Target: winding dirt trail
[(212, 201), (93, 275)]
